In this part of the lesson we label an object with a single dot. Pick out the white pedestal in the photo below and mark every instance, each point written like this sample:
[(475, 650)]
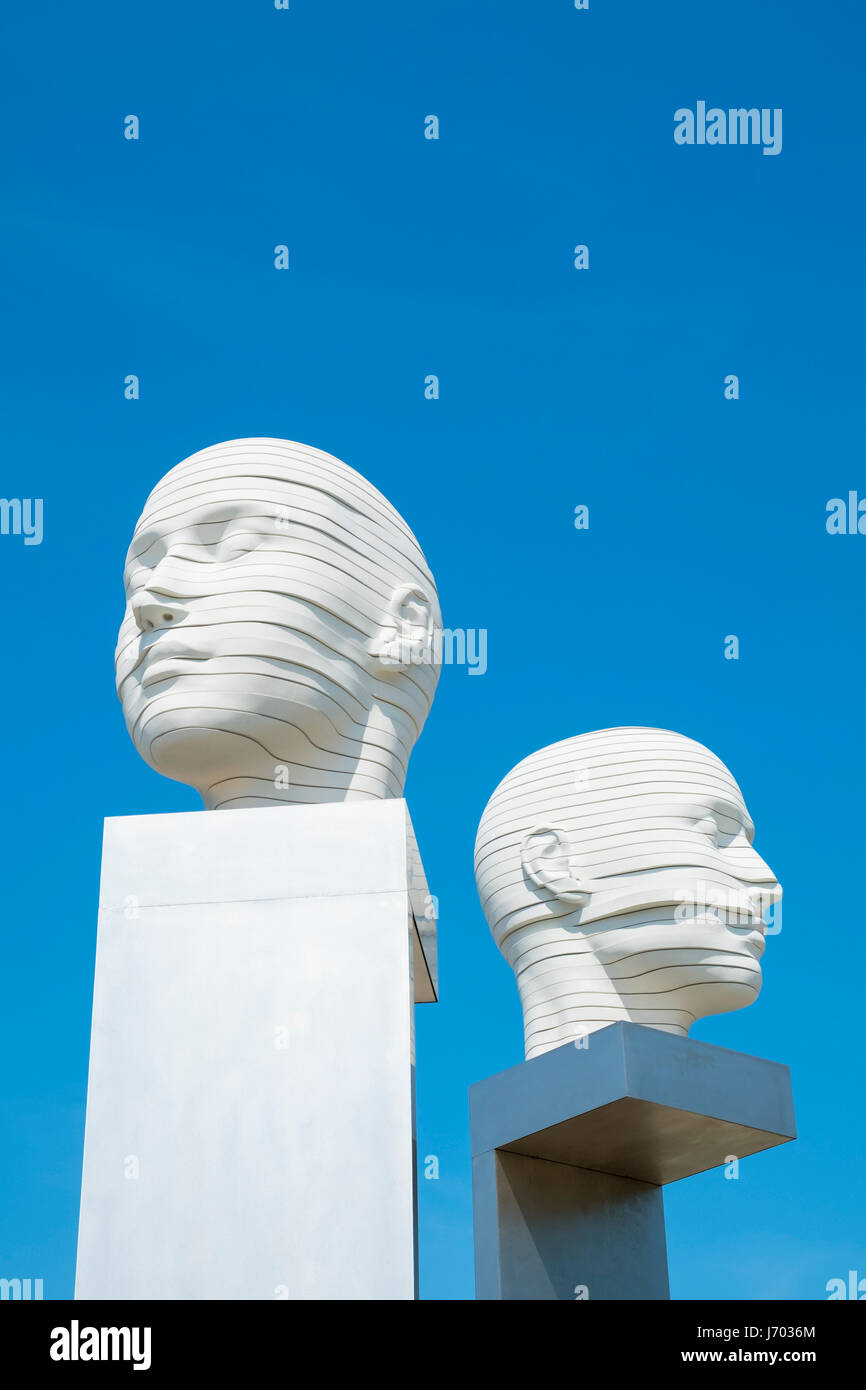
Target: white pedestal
[(250, 1124)]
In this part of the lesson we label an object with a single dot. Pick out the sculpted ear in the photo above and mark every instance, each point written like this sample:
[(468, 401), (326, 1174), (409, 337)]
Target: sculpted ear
[(405, 637), (546, 858)]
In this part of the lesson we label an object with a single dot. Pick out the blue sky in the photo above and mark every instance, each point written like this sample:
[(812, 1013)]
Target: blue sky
[(558, 387)]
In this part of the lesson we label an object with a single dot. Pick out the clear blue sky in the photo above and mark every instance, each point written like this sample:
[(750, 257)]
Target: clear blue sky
[(558, 387)]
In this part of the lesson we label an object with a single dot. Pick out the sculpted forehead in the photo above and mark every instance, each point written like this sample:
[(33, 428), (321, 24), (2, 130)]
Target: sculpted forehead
[(628, 773), (645, 760), (270, 471), (292, 491)]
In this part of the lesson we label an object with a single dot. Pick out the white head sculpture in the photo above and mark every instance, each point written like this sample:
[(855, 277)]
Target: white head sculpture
[(617, 873), (280, 629)]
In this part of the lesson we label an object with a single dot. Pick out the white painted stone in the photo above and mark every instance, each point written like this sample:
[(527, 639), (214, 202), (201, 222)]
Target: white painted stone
[(250, 1119), (617, 874), (280, 642)]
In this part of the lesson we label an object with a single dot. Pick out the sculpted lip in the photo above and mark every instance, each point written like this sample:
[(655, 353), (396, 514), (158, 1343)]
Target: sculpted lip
[(747, 928), (735, 912), (743, 916), (755, 940), (163, 653)]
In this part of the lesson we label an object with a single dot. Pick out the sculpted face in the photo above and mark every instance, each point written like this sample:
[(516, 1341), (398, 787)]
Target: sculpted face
[(617, 872), (267, 584)]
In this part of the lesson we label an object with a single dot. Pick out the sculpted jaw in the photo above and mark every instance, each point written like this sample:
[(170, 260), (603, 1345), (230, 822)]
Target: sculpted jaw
[(265, 584), (617, 873)]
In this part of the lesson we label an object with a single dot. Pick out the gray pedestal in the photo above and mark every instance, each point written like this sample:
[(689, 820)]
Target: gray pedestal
[(570, 1152)]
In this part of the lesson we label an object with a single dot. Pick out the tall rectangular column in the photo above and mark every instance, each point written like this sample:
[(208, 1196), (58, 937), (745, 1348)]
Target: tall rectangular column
[(250, 1128)]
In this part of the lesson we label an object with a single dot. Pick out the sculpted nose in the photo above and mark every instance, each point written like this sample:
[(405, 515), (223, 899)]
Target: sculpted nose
[(768, 894), (751, 868), (763, 898), (155, 610)]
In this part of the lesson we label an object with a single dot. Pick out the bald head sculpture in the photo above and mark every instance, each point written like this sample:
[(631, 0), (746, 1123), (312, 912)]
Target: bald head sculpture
[(280, 629), (617, 874)]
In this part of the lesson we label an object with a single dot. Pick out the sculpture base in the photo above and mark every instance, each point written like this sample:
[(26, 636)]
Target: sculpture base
[(250, 1123), (570, 1152)]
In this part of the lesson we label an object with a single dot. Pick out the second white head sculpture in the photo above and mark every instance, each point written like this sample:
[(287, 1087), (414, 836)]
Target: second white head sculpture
[(617, 874), (280, 637)]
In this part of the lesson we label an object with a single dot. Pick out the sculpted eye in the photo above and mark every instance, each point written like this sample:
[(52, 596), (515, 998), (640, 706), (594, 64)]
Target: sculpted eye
[(235, 544), (707, 826), (137, 579)]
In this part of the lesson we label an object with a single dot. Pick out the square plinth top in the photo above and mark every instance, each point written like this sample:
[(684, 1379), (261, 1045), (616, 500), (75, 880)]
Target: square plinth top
[(337, 849), (635, 1102)]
